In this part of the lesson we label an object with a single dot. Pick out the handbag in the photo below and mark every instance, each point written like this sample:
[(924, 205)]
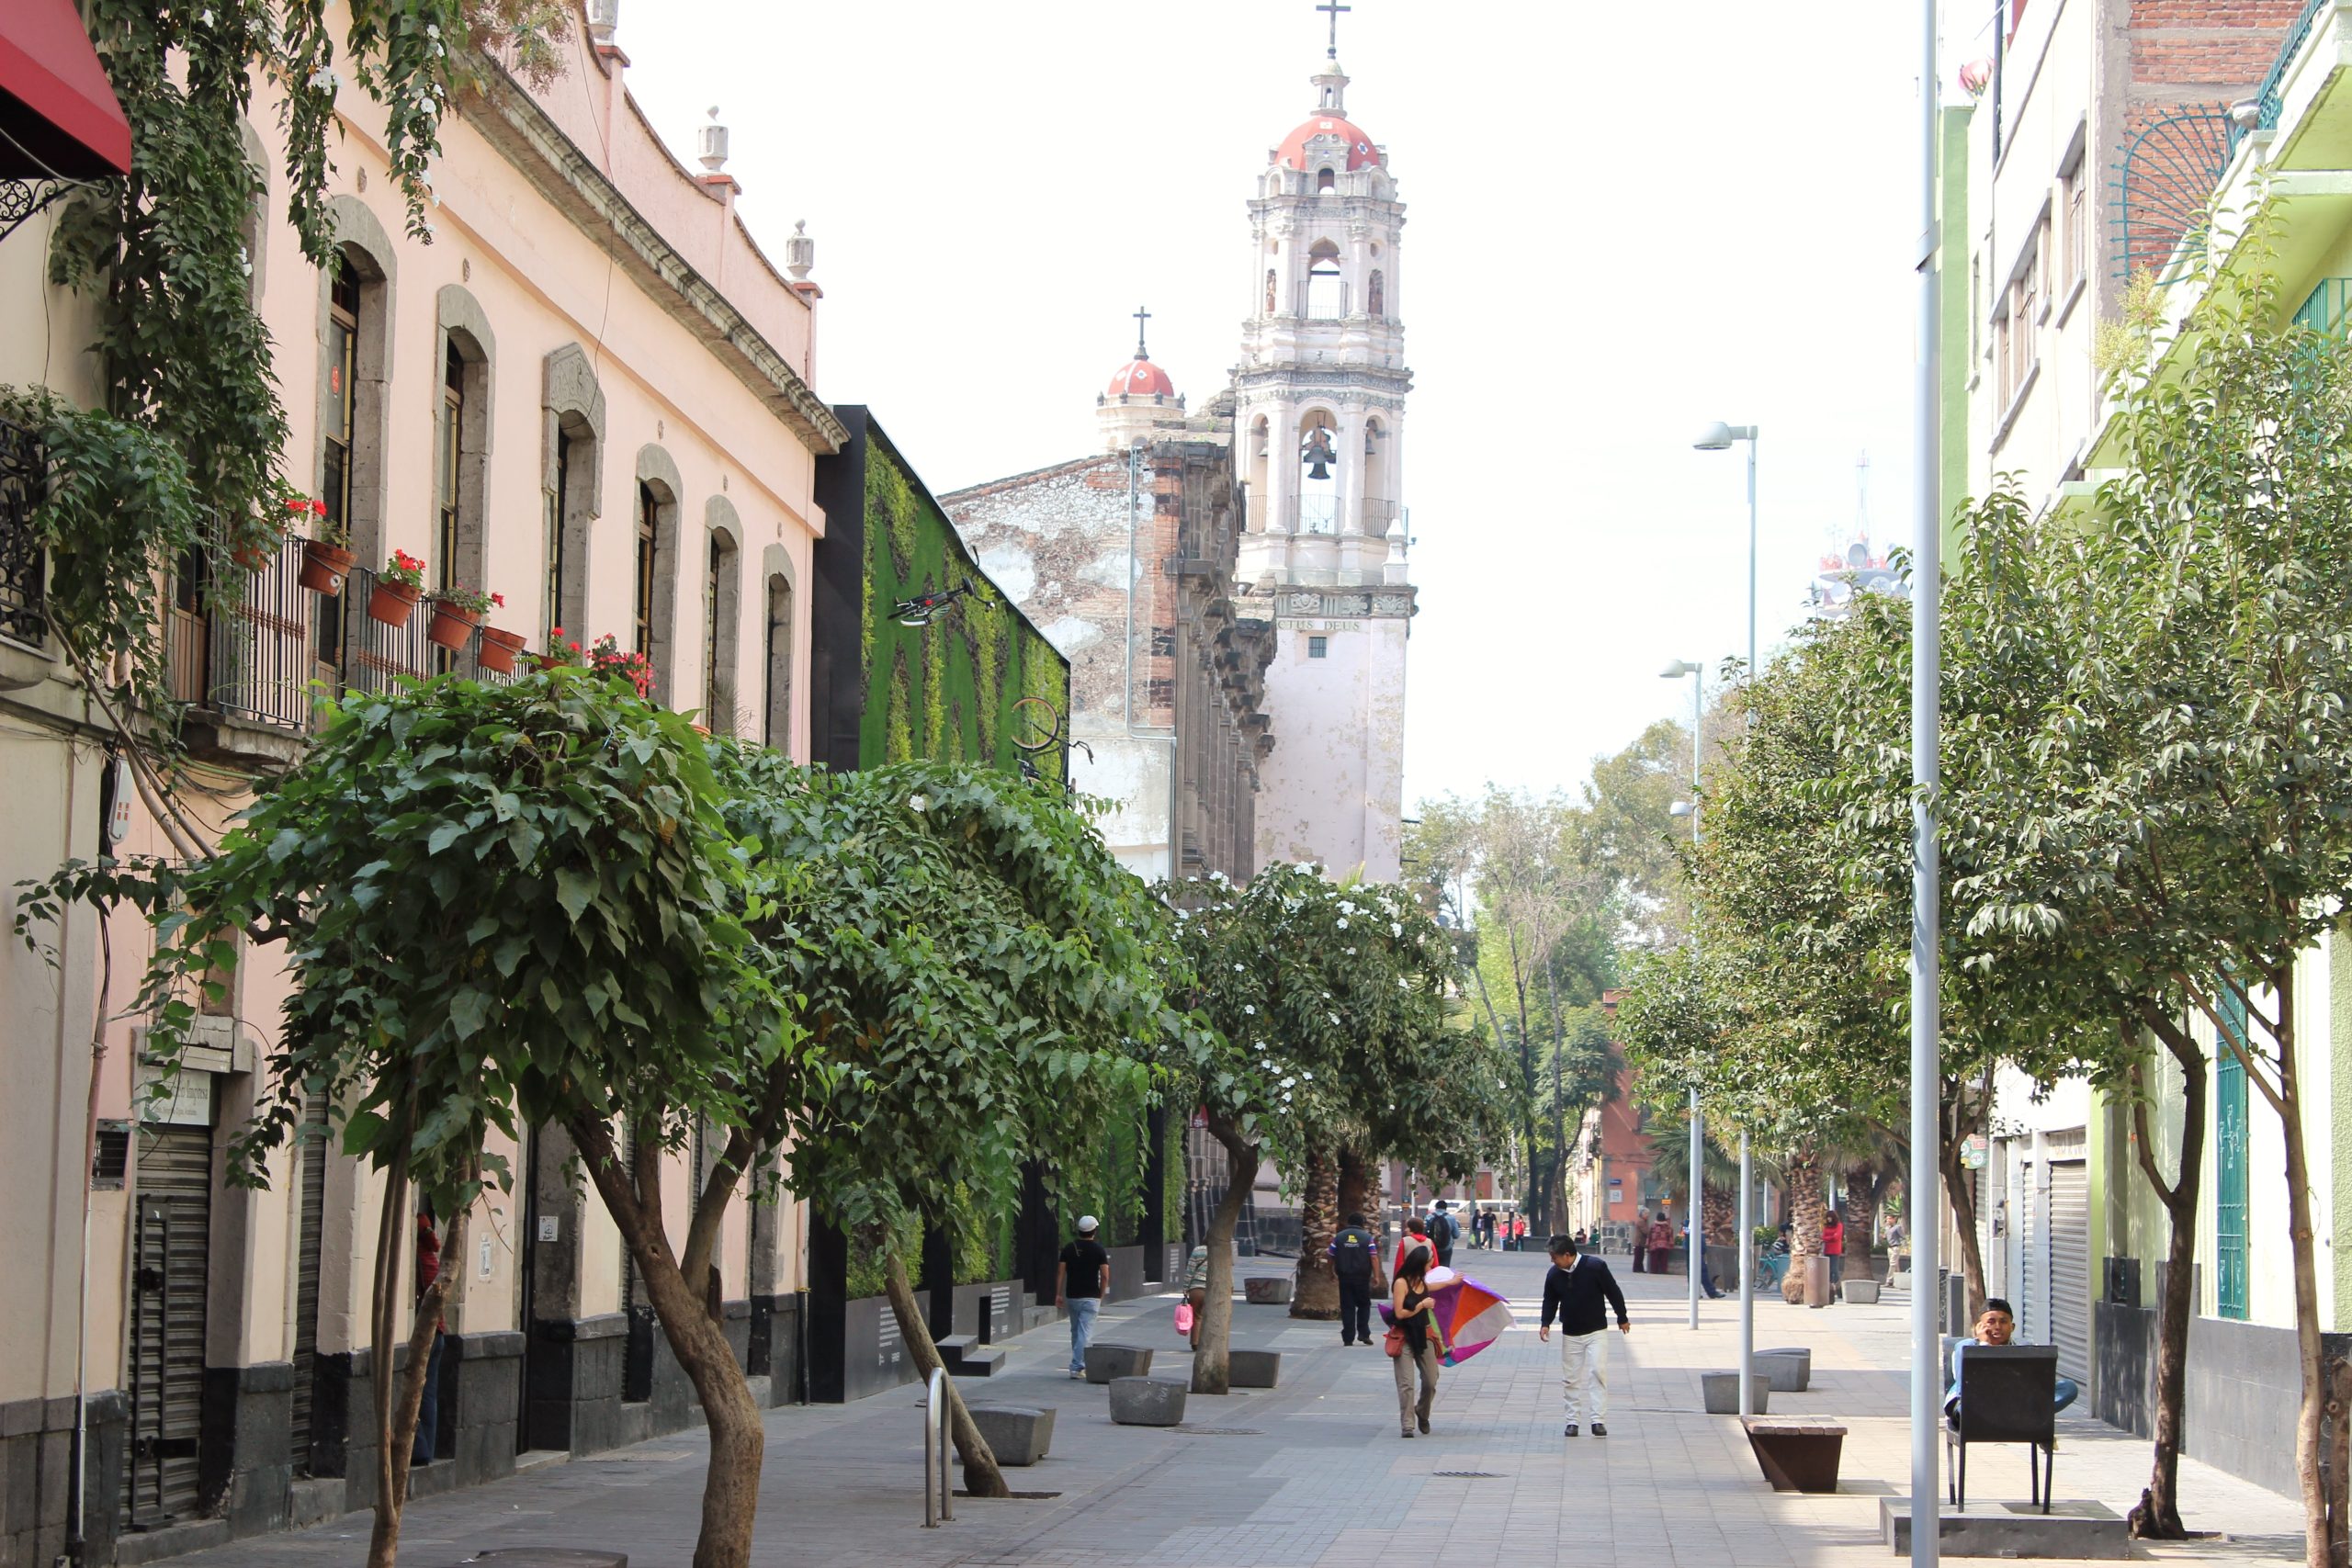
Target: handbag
[(1184, 1318), (1395, 1343)]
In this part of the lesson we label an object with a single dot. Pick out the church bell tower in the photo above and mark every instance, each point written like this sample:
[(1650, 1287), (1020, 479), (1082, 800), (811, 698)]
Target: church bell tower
[(1320, 426)]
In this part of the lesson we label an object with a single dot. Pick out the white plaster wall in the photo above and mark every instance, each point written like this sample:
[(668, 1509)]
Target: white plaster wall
[(1332, 790)]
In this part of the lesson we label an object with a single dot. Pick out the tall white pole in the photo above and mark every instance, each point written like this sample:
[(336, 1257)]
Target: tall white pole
[(1693, 1226), (1927, 665), (1746, 1160)]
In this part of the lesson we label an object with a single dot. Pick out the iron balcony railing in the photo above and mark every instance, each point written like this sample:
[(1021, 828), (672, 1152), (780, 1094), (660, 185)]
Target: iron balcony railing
[(2265, 96), (373, 656), (24, 580), (240, 636)]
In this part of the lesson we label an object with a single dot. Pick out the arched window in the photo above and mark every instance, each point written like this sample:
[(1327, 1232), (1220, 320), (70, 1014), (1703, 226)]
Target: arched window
[(354, 365), (1326, 181), (660, 557), (721, 594), (776, 728), (1325, 295), (572, 484), (1319, 456)]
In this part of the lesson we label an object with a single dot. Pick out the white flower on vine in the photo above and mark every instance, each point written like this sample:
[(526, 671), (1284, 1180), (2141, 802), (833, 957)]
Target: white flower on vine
[(322, 80), (1248, 1011), (917, 803), (1287, 1082), (1403, 984), (432, 30), (1237, 969), (1351, 952), (1333, 1017), (1396, 927), (1308, 1076), (1343, 924), (427, 107)]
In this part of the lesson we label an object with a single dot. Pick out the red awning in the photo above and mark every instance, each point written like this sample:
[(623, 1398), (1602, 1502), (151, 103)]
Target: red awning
[(58, 114)]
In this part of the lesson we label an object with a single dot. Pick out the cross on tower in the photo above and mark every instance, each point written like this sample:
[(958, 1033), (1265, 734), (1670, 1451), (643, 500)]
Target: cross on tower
[(1142, 316), (1334, 8)]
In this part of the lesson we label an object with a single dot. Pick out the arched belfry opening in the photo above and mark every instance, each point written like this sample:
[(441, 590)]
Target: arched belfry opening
[(1319, 477), (1326, 290)]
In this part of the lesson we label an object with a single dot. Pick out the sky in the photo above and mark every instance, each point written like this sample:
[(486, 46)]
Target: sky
[(1623, 222)]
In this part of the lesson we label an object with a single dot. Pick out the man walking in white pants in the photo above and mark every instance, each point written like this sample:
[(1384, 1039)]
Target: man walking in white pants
[(1579, 1291)]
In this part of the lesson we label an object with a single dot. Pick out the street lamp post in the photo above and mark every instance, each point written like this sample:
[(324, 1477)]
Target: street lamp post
[(1691, 1225), (1926, 672), (1718, 437)]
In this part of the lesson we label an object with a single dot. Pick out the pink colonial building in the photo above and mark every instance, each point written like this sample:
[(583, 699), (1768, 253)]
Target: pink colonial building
[(592, 392)]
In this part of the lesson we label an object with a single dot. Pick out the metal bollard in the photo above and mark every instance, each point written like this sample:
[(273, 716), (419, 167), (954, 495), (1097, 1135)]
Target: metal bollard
[(938, 1464)]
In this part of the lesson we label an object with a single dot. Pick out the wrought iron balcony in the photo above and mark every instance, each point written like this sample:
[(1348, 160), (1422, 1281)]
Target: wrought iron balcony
[(24, 614), (241, 638), (2265, 97)]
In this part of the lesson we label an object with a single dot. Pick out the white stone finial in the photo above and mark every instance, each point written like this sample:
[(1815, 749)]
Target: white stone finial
[(800, 253), (710, 143), (604, 16)]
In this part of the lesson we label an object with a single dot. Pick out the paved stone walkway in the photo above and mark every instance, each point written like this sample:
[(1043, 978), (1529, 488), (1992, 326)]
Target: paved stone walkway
[(1314, 1474)]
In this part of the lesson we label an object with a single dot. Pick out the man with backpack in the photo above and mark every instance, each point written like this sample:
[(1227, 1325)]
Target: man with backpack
[(1354, 1255), (1444, 1230)]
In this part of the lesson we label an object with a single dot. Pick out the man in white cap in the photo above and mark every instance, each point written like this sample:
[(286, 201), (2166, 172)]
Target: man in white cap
[(1078, 1281)]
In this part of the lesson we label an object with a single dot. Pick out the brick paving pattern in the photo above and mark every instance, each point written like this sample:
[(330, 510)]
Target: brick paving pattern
[(1313, 1472)]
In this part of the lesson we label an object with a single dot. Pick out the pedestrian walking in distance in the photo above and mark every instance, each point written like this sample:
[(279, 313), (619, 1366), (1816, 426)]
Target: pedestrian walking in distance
[(1833, 1246), (1444, 1230), (1579, 1290), (1078, 1279), (1420, 1342), (1640, 1238), (1354, 1252), (1416, 1234)]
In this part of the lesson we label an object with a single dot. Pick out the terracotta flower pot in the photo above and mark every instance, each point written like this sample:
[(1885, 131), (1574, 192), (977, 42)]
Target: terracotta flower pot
[(452, 626), (498, 650), (393, 603), (325, 567), (252, 558)]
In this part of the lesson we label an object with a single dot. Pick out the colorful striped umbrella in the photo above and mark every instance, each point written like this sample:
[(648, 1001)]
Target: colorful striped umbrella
[(1469, 1315)]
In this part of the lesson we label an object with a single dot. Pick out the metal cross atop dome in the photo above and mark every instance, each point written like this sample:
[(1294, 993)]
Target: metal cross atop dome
[(1334, 8), (1142, 316)]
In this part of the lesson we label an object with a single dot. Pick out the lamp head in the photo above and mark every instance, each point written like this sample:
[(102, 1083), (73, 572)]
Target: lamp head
[(1678, 668), (1716, 437), (1680, 808)]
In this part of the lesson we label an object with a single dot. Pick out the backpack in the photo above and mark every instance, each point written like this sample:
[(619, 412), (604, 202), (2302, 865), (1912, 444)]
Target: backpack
[(1443, 1229), (1353, 1261)]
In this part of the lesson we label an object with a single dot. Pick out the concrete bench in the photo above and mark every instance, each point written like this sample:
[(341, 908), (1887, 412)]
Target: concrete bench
[(1860, 1292), (1268, 1292), (1253, 1369), (1797, 1455), (1104, 1362), (1016, 1434), (1719, 1391), (1146, 1402), (1787, 1372), (550, 1557), (1803, 1355)]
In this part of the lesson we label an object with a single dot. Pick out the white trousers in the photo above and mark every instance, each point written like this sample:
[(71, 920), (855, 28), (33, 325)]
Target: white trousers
[(1584, 1375)]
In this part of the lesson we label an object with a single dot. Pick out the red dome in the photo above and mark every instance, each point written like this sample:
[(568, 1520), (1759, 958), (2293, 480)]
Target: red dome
[(1361, 152), (1140, 377)]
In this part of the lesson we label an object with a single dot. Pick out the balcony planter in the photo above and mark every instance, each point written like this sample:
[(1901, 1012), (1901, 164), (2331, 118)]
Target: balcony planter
[(393, 603), (325, 567), (498, 650), (255, 555), (452, 626)]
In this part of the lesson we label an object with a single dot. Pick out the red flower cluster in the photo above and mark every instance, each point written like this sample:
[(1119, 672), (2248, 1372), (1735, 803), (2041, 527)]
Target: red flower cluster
[(608, 659), (405, 569), (301, 504)]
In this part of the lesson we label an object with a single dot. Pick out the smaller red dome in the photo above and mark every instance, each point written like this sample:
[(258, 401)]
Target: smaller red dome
[(1362, 153), (1140, 377)]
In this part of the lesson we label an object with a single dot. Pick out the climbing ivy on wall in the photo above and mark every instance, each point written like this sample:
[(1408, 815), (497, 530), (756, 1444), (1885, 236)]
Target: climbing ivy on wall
[(951, 686)]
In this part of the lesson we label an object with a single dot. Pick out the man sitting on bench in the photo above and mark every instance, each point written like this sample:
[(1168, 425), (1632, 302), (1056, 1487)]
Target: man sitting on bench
[(1997, 1324)]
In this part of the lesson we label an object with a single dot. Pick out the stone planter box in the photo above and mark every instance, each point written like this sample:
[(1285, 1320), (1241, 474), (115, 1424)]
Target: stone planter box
[(1802, 1356), (1720, 1391), (1253, 1369), (550, 1557), (1105, 1363), (1146, 1402), (1268, 1292), (1786, 1373), (1860, 1292), (1016, 1434)]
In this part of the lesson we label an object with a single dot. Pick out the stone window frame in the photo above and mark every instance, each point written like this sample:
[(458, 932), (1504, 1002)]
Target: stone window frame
[(657, 472), (723, 630), (777, 571), (461, 323), (572, 408), (362, 242)]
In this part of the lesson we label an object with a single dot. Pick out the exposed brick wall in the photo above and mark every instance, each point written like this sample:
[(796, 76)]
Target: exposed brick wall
[(2203, 51)]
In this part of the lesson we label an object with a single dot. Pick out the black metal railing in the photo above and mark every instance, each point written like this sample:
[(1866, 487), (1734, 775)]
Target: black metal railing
[(24, 608), (375, 657), (258, 663)]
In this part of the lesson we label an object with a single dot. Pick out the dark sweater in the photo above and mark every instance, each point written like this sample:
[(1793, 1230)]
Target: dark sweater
[(1575, 1295)]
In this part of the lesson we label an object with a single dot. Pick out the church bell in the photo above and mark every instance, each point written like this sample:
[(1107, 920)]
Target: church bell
[(1319, 457)]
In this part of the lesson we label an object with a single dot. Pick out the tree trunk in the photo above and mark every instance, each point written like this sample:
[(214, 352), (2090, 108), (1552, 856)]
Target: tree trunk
[(1212, 1368), (1962, 1192), (1317, 1291), (982, 1478), (2319, 1550), (2157, 1515), (730, 1493), (391, 1468), (1355, 1184), (1863, 1184), (1806, 1209), (1719, 1217)]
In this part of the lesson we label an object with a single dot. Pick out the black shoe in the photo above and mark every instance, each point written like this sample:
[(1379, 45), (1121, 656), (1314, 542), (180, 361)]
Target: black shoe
[(1599, 1430), (1424, 1423), (1570, 1430)]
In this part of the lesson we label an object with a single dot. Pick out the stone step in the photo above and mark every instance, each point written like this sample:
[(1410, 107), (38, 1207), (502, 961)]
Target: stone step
[(980, 1361)]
